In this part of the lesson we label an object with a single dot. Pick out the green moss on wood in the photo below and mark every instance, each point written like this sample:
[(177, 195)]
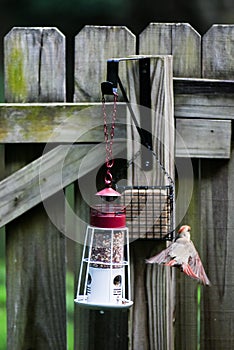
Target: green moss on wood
[(15, 74)]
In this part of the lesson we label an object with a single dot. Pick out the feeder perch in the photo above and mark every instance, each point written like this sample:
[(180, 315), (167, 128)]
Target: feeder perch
[(104, 270)]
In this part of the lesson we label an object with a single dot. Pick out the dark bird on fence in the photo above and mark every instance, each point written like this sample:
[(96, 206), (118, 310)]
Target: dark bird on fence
[(183, 254)]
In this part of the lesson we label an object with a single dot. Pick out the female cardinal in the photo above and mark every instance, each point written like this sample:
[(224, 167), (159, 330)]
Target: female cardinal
[(182, 253)]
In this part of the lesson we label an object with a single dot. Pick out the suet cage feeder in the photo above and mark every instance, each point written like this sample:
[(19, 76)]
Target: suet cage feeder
[(149, 211)]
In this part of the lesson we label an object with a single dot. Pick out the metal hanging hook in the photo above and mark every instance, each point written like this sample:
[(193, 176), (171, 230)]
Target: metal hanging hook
[(109, 136), (108, 178)]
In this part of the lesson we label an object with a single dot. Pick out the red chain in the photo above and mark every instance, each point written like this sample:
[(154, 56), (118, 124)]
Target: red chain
[(109, 141)]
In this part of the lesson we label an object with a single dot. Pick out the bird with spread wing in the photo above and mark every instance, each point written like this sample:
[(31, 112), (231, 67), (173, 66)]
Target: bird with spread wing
[(183, 254)]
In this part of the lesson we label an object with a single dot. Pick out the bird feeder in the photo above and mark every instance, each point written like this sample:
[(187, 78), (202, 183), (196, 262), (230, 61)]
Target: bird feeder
[(104, 271), (104, 279)]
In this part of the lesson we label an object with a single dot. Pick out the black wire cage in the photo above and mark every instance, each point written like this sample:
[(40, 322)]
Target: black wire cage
[(149, 211)]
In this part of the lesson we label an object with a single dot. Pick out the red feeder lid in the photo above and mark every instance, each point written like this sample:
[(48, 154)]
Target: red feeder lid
[(108, 192), (108, 216), (108, 220)]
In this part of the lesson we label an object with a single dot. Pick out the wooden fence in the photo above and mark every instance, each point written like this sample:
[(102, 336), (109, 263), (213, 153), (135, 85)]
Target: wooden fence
[(184, 316)]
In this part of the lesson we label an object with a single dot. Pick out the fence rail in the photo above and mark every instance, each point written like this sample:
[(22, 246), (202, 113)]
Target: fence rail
[(170, 311)]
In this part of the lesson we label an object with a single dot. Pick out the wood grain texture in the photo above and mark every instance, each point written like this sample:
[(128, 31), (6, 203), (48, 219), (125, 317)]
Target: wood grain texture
[(204, 106), (187, 309), (217, 215), (203, 138), (188, 44), (217, 52), (217, 227), (94, 45), (209, 212), (57, 122), (35, 249), (161, 114), (154, 326), (177, 39), (199, 86), (48, 175), (30, 65)]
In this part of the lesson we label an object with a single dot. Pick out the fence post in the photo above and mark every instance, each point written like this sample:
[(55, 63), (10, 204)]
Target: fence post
[(151, 317), (35, 250)]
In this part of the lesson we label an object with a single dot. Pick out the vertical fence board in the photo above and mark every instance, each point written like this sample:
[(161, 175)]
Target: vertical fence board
[(35, 250), (217, 210), (187, 313), (151, 321), (179, 40), (217, 52), (183, 42), (34, 65), (217, 231), (94, 45)]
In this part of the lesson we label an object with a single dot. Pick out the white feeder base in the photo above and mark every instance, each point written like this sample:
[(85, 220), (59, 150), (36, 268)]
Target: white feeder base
[(105, 289), (82, 301), (105, 285)]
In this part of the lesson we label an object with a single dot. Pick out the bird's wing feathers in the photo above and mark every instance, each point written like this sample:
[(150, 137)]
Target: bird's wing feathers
[(198, 269), (160, 258), (190, 261)]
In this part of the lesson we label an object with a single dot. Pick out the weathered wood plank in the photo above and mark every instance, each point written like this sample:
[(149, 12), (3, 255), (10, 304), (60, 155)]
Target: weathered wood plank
[(80, 122), (155, 326), (217, 224), (56, 122), (185, 46), (187, 308), (203, 138), (217, 214), (30, 68), (48, 175), (202, 86), (35, 249), (93, 46), (177, 39), (217, 52), (160, 113), (204, 98), (204, 106)]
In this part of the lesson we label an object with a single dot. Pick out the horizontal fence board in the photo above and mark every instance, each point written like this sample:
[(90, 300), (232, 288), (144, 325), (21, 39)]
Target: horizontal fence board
[(46, 176), (55, 122), (202, 86), (203, 138), (204, 106), (81, 122)]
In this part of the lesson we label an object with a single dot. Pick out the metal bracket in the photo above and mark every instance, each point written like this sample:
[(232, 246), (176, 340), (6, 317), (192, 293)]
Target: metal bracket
[(145, 116), (145, 128)]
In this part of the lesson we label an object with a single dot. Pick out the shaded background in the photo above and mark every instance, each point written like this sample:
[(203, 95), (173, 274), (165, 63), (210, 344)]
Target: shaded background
[(71, 15)]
